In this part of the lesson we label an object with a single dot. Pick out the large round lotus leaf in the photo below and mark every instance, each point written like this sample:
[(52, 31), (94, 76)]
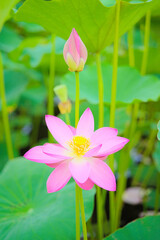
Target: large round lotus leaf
[(33, 100), (93, 21), (151, 200), (9, 39), (144, 228), (131, 86), (121, 117), (28, 212), (15, 84), (5, 8)]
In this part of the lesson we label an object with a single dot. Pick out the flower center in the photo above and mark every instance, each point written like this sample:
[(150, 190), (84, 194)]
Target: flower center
[(79, 145)]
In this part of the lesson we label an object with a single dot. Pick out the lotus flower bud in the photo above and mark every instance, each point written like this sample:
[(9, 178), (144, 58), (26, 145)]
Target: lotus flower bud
[(61, 92), (75, 52)]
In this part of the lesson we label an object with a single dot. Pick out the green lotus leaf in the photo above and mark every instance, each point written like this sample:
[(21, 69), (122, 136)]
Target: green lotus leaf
[(28, 212), (121, 118), (144, 228), (131, 86), (15, 84), (5, 8), (93, 21)]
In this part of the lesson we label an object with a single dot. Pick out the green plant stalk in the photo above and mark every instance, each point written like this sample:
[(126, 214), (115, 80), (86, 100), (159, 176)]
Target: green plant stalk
[(146, 43), (99, 212), (123, 166), (100, 90), (133, 125), (115, 66), (82, 214), (5, 113), (148, 150), (90, 229), (156, 207), (131, 48), (121, 186), (143, 72), (67, 118), (147, 176), (77, 188), (51, 83), (101, 122), (77, 99), (122, 179), (77, 214), (79, 195), (113, 105), (36, 125)]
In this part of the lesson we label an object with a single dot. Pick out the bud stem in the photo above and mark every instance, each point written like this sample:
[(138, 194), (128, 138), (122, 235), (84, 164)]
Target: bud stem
[(79, 195), (101, 123), (113, 105), (5, 113), (51, 83)]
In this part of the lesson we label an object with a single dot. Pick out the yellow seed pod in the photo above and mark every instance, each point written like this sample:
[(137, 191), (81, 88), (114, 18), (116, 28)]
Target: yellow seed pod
[(65, 107)]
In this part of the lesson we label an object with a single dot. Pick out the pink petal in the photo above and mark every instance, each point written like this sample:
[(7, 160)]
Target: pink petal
[(92, 152), (102, 175), (60, 131), (72, 129), (58, 178), (112, 145), (37, 155), (56, 150), (54, 165), (83, 51), (101, 135), (79, 169), (88, 185), (65, 51), (74, 46), (85, 125)]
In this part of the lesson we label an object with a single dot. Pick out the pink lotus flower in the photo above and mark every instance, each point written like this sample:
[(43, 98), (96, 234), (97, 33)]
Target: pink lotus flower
[(79, 154), (75, 52)]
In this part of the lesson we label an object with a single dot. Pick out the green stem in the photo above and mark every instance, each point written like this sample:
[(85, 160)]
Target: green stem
[(99, 213), (146, 43), (147, 176), (36, 125), (77, 99), (121, 185), (101, 122), (67, 118), (82, 214), (131, 48), (100, 90), (115, 66), (123, 166), (134, 116), (143, 72), (77, 188), (90, 229), (156, 208), (5, 113), (147, 152), (51, 83), (77, 215), (113, 105), (79, 196)]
